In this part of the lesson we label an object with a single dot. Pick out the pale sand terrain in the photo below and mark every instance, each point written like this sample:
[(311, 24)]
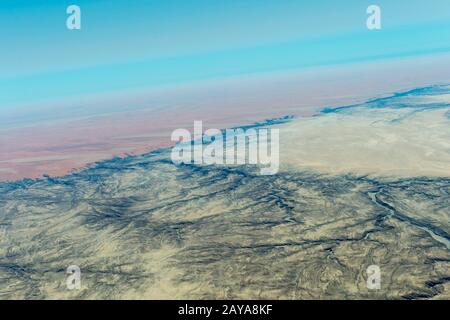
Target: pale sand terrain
[(142, 227), (412, 140), (56, 137)]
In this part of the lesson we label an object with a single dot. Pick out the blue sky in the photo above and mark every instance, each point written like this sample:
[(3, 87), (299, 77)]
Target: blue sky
[(136, 44)]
